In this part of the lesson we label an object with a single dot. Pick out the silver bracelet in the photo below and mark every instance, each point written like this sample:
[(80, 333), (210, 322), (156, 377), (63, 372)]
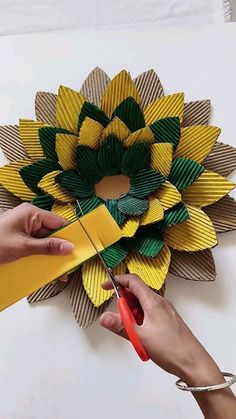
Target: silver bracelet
[(231, 380)]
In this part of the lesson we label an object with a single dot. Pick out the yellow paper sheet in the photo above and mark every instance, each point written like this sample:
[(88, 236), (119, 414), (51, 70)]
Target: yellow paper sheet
[(26, 275)]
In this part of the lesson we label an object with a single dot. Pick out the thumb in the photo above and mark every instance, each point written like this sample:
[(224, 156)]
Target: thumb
[(113, 322), (48, 246)]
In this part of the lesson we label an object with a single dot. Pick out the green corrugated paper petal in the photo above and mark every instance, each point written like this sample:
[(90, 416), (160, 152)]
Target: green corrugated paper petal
[(136, 157), (92, 111), (87, 205), (112, 206), (145, 182), (74, 184), (130, 113), (147, 241), (114, 255), (47, 137), (87, 164), (132, 206), (166, 130), (110, 155), (184, 172), (175, 215), (34, 172), (44, 202)]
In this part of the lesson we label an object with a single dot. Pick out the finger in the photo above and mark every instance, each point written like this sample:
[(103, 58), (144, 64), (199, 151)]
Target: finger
[(112, 322), (144, 294), (48, 246), (52, 221)]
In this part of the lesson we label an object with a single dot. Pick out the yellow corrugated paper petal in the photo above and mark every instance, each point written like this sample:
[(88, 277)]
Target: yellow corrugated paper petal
[(69, 104), (196, 142), (154, 213), (94, 275), (12, 181), (66, 211), (143, 134), (117, 128), (153, 271), (65, 149), (49, 186), (165, 107), (121, 87), (207, 189), (30, 137), (197, 233), (161, 157), (130, 227), (168, 195), (90, 133)]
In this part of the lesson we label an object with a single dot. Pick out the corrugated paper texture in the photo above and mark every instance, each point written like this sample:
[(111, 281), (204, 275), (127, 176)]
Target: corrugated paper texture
[(166, 106), (11, 143), (222, 159), (223, 214), (94, 85), (197, 266), (149, 87), (50, 290), (45, 107), (196, 113)]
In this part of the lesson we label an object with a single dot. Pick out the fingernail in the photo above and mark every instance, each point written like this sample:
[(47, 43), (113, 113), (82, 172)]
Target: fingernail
[(109, 320), (66, 247)]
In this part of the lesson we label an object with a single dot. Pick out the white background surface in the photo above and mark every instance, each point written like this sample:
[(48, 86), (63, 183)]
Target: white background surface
[(22, 16), (49, 368)]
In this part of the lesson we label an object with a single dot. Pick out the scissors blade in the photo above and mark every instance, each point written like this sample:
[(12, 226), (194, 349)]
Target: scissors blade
[(108, 270)]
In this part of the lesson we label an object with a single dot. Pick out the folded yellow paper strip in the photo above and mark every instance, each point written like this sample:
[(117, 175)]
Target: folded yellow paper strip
[(26, 275)]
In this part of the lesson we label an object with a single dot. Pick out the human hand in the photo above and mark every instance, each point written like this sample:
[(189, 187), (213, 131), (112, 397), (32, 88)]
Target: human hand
[(165, 336), (22, 231)]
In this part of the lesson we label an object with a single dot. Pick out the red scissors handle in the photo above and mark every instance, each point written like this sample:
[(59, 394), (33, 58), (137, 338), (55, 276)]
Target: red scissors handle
[(129, 323)]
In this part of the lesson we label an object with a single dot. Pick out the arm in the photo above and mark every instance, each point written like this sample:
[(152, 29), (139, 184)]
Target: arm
[(172, 346), (22, 231)]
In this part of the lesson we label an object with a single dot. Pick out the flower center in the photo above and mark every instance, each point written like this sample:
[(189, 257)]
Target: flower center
[(112, 187)]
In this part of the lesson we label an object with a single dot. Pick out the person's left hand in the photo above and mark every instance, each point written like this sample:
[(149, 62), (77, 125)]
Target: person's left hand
[(22, 230)]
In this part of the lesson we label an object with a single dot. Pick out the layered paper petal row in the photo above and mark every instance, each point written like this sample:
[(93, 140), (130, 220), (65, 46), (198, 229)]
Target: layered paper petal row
[(153, 160)]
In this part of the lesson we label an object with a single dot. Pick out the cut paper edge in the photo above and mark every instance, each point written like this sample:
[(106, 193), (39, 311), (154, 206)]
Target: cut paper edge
[(168, 195), (130, 226), (161, 157), (8, 200), (120, 87), (11, 144), (222, 159), (116, 127), (149, 87), (223, 214), (196, 113), (90, 133), (197, 233), (154, 212), (45, 107), (69, 104), (153, 271), (29, 134), (95, 85), (50, 187), (84, 311), (66, 150), (196, 266), (207, 189), (48, 291), (165, 107), (11, 180), (196, 142), (143, 134)]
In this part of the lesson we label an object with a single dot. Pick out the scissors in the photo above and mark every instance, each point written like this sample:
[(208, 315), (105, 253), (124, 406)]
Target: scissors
[(130, 310)]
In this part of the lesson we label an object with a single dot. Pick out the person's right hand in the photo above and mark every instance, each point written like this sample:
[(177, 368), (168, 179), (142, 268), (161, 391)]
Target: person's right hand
[(165, 336)]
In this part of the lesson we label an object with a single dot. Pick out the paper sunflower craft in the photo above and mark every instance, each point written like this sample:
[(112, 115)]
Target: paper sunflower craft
[(153, 160)]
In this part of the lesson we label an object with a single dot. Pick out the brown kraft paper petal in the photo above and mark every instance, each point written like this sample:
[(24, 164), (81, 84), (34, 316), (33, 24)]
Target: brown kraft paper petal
[(45, 107), (223, 214), (83, 309), (50, 290), (197, 266), (8, 200), (94, 85), (149, 87), (196, 113), (222, 159), (11, 144)]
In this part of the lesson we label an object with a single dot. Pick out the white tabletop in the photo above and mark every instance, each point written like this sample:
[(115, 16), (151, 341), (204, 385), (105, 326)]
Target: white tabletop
[(49, 368)]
